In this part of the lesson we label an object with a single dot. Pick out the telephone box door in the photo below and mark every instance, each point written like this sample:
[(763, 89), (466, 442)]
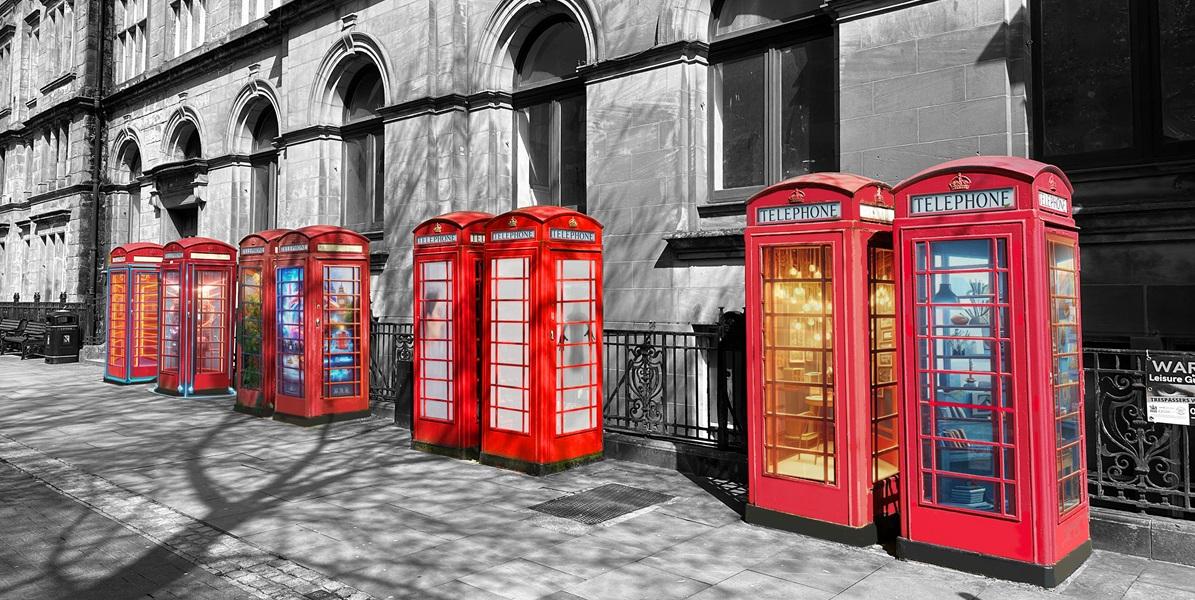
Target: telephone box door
[(576, 336), (210, 327), (511, 409), (119, 360), (170, 360)]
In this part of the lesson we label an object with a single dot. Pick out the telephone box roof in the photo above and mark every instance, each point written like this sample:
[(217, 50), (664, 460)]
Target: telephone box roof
[(191, 242), (314, 231), (460, 218), (268, 235), (543, 214), (848, 183), (138, 248), (1012, 166)]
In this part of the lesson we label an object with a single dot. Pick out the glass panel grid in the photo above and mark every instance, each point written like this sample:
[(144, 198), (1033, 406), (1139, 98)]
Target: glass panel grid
[(437, 354), (145, 318), (577, 376), (250, 331), (342, 331), (118, 311), (171, 319), (798, 296), (212, 291), (510, 344), (289, 286), (964, 380), (884, 423), (1065, 368)]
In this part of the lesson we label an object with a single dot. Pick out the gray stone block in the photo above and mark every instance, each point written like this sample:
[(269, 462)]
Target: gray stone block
[(874, 64), (959, 48), (1173, 541), (924, 89), (1121, 532), (855, 101), (889, 129), (962, 119), (926, 19)]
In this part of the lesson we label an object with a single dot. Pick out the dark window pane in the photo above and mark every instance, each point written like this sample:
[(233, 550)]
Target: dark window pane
[(378, 141), (572, 153), (551, 53), (737, 15), (742, 121), (358, 180), (364, 95), (808, 137), (1086, 76), (265, 129), (1176, 24), (536, 126), (263, 195)]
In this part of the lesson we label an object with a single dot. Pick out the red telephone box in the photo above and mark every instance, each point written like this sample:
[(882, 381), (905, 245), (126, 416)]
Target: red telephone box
[(822, 420), (197, 295), (542, 360), (255, 323), (321, 276), (995, 480), (133, 285), (448, 264)]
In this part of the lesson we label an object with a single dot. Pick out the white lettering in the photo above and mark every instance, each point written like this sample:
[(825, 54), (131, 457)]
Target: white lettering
[(572, 235), (429, 240), (513, 234), (1049, 201)]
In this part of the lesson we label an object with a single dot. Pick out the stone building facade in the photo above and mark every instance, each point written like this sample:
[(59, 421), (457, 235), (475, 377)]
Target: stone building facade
[(658, 117)]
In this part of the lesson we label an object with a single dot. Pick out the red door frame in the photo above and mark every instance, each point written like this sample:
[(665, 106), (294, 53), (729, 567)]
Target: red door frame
[(257, 251), (133, 260)]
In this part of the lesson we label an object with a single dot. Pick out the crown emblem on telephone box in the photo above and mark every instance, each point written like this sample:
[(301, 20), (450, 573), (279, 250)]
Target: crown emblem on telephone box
[(798, 195), (960, 182), (572, 222), (512, 222), (438, 228)]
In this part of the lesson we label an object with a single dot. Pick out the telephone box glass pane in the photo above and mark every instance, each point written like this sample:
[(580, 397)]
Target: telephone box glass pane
[(1067, 354), (576, 346), (882, 294), (798, 417), (510, 291), (171, 319), (965, 396), (145, 314), (118, 311), (212, 292), (250, 329), (290, 330), (435, 339), (342, 331)]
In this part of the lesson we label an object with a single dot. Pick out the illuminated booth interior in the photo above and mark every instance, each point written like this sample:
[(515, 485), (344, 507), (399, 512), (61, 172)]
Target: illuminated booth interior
[(196, 318), (542, 361), (822, 423), (995, 477), (255, 323), (134, 277), (321, 281), (448, 263)]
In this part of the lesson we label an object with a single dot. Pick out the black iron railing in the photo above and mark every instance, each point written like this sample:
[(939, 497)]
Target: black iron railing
[(90, 320), (390, 376), (1131, 462)]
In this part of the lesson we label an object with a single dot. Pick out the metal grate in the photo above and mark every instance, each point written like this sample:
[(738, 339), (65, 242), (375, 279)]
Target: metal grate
[(601, 503)]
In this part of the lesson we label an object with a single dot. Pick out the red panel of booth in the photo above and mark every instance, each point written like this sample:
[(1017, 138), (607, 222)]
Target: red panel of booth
[(196, 317), (133, 292), (321, 276), (447, 351), (992, 376), (255, 323), (820, 295), (542, 360)]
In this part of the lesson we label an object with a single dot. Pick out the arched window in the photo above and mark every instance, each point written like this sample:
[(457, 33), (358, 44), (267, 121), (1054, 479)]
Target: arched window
[(773, 89), (187, 144), (129, 171), (550, 116), (364, 148), (263, 200)]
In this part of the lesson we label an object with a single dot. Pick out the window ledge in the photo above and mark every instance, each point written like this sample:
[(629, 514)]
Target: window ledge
[(4, 112), (706, 244), (57, 82), (722, 209)]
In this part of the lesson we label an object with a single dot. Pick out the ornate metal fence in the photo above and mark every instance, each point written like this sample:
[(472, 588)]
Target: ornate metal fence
[(89, 321), (390, 375), (1131, 462)]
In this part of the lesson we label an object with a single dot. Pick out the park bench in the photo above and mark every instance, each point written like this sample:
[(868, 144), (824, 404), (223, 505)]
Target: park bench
[(11, 326), (29, 341)]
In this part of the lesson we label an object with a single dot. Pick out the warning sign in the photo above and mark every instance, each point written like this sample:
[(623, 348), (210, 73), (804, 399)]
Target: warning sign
[(1170, 389)]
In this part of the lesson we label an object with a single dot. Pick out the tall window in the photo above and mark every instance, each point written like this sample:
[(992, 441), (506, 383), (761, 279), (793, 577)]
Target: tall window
[(6, 69), (62, 154), (773, 82), (264, 160), (256, 9), (364, 150), (1115, 80), (130, 167), (550, 116), (60, 27), (187, 144), (33, 44), (130, 38), (190, 24)]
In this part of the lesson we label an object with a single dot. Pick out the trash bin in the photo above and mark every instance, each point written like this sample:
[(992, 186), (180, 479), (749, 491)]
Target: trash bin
[(64, 337)]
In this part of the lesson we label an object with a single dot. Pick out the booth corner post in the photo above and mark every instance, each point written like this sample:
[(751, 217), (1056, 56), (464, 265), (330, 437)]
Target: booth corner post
[(196, 318), (542, 340), (256, 338), (994, 468), (134, 279), (321, 281), (821, 353), (447, 259)]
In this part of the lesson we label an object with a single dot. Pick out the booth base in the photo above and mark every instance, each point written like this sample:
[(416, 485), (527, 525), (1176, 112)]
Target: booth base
[(532, 468), (993, 566), (128, 381), (212, 393), (256, 411), (854, 536), (449, 451), (321, 419)]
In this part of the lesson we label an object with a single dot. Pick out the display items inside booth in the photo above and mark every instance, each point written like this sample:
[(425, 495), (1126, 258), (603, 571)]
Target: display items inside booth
[(448, 266), (198, 278), (133, 303), (823, 440), (541, 370), (991, 370), (255, 338), (321, 277)]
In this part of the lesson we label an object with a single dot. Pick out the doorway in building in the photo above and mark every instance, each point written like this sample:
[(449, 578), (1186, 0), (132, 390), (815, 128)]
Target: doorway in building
[(184, 220)]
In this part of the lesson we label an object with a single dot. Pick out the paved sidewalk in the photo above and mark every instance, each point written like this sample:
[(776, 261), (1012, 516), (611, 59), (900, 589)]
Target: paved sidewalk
[(357, 511)]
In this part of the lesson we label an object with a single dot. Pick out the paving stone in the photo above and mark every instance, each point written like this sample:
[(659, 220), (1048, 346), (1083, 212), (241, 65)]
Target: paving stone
[(1141, 590), (521, 579), (1169, 575), (901, 580), (757, 586), (637, 581)]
